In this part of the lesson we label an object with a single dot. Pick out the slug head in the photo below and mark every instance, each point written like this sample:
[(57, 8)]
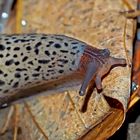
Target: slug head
[(97, 66)]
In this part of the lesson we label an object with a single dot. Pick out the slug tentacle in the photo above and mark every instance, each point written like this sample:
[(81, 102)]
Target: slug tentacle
[(90, 74), (98, 82), (117, 61)]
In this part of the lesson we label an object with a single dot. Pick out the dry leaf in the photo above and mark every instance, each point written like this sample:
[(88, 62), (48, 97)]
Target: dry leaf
[(59, 116)]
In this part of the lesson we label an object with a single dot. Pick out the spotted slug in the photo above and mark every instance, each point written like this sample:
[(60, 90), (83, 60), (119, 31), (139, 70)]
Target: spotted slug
[(27, 60)]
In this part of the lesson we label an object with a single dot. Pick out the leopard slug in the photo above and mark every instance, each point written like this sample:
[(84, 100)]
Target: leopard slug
[(29, 59)]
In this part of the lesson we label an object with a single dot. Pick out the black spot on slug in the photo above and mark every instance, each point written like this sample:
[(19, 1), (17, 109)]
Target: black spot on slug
[(48, 45), (43, 37), (38, 68), (44, 78), (61, 71), (60, 65), (16, 41), (21, 40), (63, 61), (9, 62), (66, 44), (43, 61), (38, 44), (52, 58), (74, 43), (8, 48), (54, 52), (13, 37), (17, 75), (25, 58), (51, 70), (15, 55), (7, 54), (16, 49), (1, 72), (17, 63), (57, 45), (61, 39), (74, 47), (30, 62), (21, 69), (5, 75), (35, 74), (2, 83), (5, 39), (26, 78), (11, 81), (51, 42), (50, 66), (8, 42), (28, 48), (1, 55), (64, 51), (77, 51), (15, 84), (47, 53), (73, 62), (2, 47), (72, 53), (36, 51)]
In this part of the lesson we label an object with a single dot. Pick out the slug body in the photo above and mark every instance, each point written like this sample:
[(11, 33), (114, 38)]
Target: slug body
[(29, 59)]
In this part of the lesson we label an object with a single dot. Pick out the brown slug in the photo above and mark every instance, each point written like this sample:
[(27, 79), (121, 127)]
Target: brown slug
[(30, 59)]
